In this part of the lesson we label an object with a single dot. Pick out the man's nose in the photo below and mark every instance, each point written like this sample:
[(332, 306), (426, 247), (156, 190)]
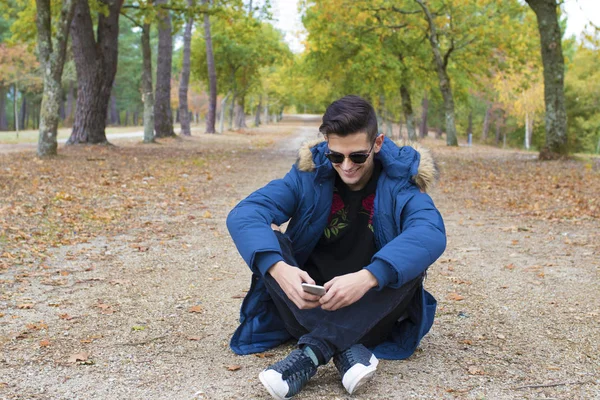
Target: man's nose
[(347, 163)]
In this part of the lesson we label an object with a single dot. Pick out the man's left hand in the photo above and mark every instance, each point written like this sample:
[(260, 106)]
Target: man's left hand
[(347, 289)]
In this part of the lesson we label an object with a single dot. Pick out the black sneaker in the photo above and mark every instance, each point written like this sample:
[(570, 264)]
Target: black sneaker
[(287, 377), (356, 366)]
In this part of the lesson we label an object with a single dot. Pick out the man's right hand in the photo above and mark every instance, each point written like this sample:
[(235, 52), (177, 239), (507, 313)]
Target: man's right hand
[(290, 280)]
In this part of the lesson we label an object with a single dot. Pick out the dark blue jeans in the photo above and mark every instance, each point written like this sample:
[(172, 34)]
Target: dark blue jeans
[(368, 321)]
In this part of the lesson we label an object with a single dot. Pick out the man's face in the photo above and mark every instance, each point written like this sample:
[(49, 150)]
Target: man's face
[(356, 176)]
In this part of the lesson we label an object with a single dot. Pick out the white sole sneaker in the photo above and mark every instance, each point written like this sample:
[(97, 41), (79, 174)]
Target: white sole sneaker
[(359, 374), (272, 381)]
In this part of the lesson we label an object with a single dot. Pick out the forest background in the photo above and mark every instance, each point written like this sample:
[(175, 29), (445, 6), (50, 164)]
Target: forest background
[(117, 275), (487, 67)]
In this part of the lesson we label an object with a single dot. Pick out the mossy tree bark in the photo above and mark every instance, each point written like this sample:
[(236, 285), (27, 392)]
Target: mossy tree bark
[(554, 78), (52, 59)]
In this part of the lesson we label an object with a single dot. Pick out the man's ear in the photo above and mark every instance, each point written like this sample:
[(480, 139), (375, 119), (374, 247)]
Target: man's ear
[(379, 142)]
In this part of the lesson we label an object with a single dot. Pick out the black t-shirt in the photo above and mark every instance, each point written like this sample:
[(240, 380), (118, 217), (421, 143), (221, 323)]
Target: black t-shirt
[(347, 243)]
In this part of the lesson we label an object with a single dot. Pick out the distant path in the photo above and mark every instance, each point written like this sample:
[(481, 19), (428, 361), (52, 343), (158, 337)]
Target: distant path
[(302, 118)]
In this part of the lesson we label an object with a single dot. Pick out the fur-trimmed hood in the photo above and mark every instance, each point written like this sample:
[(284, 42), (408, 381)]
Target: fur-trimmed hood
[(399, 160)]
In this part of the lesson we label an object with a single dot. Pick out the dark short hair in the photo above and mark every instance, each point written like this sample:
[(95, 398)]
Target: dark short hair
[(348, 115)]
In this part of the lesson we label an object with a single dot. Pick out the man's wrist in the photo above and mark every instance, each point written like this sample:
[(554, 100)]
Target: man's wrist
[(370, 279)]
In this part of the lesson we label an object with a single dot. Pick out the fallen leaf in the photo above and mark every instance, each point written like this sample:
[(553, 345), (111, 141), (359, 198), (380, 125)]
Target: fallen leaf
[(194, 338), (65, 317), (78, 357), (510, 266), (467, 341), (475, 371), (119, 282), (238, 296), (64, 273), (206, 214), (195, 309), (233, 367), (264, 355), (455, 296), (37, 327), (44, 343), (26, 306), (138, 328)]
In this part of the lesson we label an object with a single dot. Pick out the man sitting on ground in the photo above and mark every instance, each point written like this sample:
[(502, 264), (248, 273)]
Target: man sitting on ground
[(362, 226)]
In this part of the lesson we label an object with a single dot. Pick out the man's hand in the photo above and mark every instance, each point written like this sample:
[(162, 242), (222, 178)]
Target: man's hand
[(290, 280), (347, 289)]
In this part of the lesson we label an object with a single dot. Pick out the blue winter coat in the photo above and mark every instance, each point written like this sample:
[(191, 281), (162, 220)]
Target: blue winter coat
[(409, 235)]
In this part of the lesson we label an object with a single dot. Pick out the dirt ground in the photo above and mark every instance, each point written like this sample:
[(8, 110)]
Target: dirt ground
[(144, 306)]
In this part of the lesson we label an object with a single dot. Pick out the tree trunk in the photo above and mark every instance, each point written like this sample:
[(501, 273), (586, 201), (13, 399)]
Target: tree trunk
[(441, 63), (407, 110), (52, 58), (184, 114), (163, 116), (486, 123), (114, 112), (23, 113), (439, 132), (135, 118), (212, 76), (15, 109), (240, 115), (499, 122), (470, 128), (3, 120), (257, 115), (526, 131), (423, 129), (62, 113), (231, 107), (554, 73), (266, 116), (148, 93), (70, 101), (96, 65)]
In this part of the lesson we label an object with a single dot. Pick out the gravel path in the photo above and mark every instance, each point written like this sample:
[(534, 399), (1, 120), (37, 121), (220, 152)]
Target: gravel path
[(150, 313)]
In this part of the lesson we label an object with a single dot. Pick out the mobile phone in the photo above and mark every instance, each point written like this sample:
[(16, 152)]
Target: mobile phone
[(313, 289)]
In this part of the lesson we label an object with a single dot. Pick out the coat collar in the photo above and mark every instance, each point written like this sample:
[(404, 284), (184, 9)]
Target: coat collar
[(399, 161)]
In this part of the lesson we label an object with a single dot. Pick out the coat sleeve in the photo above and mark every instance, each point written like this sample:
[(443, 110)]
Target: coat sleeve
[(249, 223), (422, 239)]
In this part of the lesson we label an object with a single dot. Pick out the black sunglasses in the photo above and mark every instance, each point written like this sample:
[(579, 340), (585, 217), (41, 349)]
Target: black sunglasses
[(356, 158)]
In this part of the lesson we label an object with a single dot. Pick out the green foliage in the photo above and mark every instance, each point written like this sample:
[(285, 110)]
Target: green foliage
[(582, 96), (244, 47)]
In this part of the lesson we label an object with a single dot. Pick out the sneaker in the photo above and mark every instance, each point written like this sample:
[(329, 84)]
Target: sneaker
[(356, 366), (287, 377)]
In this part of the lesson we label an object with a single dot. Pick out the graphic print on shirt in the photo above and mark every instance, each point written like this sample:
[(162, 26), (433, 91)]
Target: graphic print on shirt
[(338, 216), (368, 208)]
